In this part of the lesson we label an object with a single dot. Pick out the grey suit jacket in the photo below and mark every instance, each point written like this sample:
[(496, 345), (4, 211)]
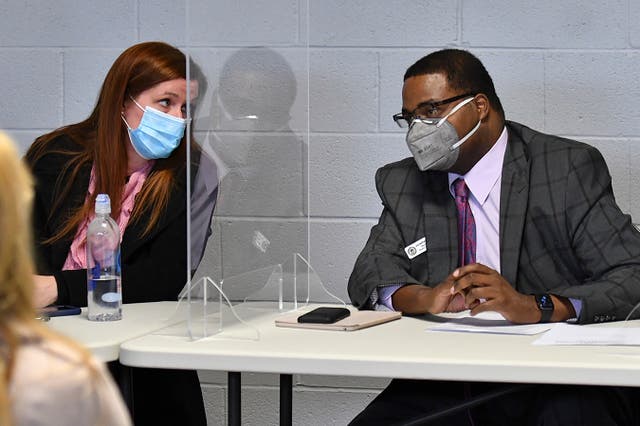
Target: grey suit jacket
[(561, 230)]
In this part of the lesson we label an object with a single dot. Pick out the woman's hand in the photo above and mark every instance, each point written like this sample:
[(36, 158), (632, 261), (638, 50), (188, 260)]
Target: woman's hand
[(45, 290)]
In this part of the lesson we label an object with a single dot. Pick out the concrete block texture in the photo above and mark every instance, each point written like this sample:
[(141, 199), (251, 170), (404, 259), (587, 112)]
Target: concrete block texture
[(164, 20), (592, 93), (334, 248), (329, 406), (401, 23), (545, 24), (634, 179), (634, 17), (215, 404), (84, 72), (312, 407), (342, 172), (242, 23), (343, 91), (254, 249), (264, 174), (67, 23), (32, 91), (518, 77)]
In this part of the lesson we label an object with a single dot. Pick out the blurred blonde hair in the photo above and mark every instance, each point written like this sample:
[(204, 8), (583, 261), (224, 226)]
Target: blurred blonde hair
[(16, 266), (17, 313)]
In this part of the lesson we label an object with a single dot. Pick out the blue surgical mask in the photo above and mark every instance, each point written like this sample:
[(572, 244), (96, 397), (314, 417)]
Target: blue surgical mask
[(158, 133)]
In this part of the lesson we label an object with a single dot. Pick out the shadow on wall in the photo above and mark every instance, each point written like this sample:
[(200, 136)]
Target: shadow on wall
[(260, 217)]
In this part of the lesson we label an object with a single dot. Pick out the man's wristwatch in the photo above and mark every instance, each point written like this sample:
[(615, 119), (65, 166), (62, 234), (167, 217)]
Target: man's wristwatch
[(545, 304)]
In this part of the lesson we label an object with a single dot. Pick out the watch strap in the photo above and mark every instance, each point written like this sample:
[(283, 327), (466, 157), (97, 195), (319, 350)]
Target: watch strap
[(545, 305)]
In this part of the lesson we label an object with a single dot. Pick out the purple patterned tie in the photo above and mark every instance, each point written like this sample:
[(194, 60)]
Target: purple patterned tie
[(466, 223)]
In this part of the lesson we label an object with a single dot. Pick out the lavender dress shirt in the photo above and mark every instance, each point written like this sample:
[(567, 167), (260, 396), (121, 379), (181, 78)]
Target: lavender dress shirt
[(484, 181)]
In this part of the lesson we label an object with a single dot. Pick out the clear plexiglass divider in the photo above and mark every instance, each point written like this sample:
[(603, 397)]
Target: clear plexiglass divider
[(227, 309), (247, 174), (204, 310), (292, 285)]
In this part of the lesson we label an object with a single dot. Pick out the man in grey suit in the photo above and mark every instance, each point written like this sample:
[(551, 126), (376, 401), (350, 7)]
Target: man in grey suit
[(535, 234)]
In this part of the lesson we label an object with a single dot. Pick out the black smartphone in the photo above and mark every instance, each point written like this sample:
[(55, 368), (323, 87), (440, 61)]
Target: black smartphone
[(324, 315), (59, 310)]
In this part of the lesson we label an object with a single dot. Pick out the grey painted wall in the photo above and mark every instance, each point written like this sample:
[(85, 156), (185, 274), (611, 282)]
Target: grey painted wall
[(561, 67)]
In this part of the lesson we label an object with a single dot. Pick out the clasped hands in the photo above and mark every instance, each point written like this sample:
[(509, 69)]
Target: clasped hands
[(480, 288)]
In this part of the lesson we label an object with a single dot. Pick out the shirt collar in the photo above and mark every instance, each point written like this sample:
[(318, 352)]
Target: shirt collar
[(485, 173)]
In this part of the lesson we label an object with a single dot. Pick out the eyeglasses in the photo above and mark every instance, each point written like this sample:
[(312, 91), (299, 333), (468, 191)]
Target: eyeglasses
[(427, 111)]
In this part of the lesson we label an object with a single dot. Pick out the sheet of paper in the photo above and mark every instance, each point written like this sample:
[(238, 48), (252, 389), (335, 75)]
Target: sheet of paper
[(485, 322), (569, 334)]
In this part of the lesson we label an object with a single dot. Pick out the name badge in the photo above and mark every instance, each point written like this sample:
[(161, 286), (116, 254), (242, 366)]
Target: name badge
[(417, 248)]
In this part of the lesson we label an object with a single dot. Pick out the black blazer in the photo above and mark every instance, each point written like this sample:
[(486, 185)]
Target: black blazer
[(561, 230), (153, 267)]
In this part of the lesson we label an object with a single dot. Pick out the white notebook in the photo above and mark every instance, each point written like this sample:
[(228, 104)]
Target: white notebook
[(356, 321)]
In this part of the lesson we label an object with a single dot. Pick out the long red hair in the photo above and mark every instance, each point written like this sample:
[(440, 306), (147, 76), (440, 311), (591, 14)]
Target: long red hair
[(103, 138)]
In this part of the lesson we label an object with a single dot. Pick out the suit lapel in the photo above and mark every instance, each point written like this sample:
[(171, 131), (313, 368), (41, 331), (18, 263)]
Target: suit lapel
[(513, 205), (440, 224), (133, 239), (72, 202)]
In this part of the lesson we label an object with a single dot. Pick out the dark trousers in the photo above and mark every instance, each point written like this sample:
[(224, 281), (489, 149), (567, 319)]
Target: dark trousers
[(162, 396), (406, 401)]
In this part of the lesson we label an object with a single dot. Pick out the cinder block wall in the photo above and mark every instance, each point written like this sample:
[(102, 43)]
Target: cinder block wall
[(563, 67)]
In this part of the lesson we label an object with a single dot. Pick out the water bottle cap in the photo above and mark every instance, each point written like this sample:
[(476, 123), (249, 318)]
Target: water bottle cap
[(103, 204)]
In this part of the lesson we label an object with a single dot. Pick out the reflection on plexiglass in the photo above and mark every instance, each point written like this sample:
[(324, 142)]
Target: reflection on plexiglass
[(226, 309), (248, 258)]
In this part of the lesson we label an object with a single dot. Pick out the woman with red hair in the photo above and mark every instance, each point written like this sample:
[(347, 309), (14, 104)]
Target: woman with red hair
[(133, 148)]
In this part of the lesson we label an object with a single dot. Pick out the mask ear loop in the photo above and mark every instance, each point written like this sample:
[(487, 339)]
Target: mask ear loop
[(125, 121), (122, 113), (137, 104), (461, 141), (454, 110)]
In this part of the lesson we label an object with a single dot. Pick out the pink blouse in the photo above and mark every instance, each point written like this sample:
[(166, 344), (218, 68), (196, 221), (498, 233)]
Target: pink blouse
[(77, 257)]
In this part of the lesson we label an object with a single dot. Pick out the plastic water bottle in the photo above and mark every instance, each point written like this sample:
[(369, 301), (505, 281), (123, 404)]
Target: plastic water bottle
[(103, 265)]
